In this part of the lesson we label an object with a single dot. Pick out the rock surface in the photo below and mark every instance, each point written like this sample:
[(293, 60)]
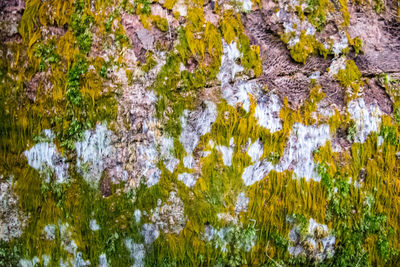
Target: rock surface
[(179, 133)]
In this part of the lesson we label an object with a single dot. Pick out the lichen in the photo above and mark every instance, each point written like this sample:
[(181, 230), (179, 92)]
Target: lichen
[(145, 133)]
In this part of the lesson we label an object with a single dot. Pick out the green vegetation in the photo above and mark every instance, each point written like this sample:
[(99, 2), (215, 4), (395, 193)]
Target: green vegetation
[(351, 79), (357, 196), (80, 24), (316, 12), (47, 54)]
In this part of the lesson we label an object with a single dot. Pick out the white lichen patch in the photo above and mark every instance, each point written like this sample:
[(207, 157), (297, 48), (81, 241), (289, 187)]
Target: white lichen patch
[(44, 157), (325, 109), (29, 263), (147, 160), (238, 94), (315, 243), (136, 251), (268, 105), (103, 260), (242, 203), (298, 154), (245, 5), (367, 118), (256, 150), (229, 67), (188, 179), (92, 153), (337, 64), (292, 24), (227, 152), (138, 215), (74, 257), (195, 124), (256, 172), (93, 225), (50, 231), (244, 239), (189, 162), (167, 146), (180, 7), (267, 112), (12, 220), (339, 45), (150, 233)]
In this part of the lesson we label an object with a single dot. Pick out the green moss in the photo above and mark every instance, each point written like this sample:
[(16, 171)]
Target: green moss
[(160, 23), (350, 78), (150, 62), (317, 11), (306, 46), (345, 12), (81, 22), (363, 219), (356, 43), (379, 6), (47, 54), (79, 68)]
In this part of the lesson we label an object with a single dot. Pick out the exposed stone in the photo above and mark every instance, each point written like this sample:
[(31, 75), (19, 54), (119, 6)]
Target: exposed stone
[(12, 220), (170, 217), (315, 244), (94, 153)]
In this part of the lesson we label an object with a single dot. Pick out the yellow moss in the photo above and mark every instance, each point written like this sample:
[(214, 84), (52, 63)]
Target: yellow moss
[(230, 26), (213, 40), (144, 19), (317, 11), (335, 121), (307, 110), (307, 45), (345, 12), (159, 22), (169, 4), (279, 195), (28, 23), (356, 43), (350, 78)]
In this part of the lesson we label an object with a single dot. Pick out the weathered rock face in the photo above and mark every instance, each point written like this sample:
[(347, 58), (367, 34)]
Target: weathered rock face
[(183, 133), (12, 219)]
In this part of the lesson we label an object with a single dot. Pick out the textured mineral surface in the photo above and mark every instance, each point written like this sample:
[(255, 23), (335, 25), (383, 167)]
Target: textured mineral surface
[(199, 133)]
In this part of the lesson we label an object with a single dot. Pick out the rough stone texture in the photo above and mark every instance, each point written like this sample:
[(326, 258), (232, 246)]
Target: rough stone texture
[(135, 160), (12, 220), (10, 14), (316, 243), (169, 217)]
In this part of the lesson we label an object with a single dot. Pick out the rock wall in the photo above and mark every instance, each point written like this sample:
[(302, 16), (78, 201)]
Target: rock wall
[(199, 133)]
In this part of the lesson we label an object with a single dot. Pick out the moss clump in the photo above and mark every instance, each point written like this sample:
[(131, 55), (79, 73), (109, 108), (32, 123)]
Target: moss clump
[(160, 23), (345, 12), (356, 43), (150, 62), (47, 55), (350, 78), (308, 109), (81, 22), (307, 45), (316, 12), (232, 30)]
